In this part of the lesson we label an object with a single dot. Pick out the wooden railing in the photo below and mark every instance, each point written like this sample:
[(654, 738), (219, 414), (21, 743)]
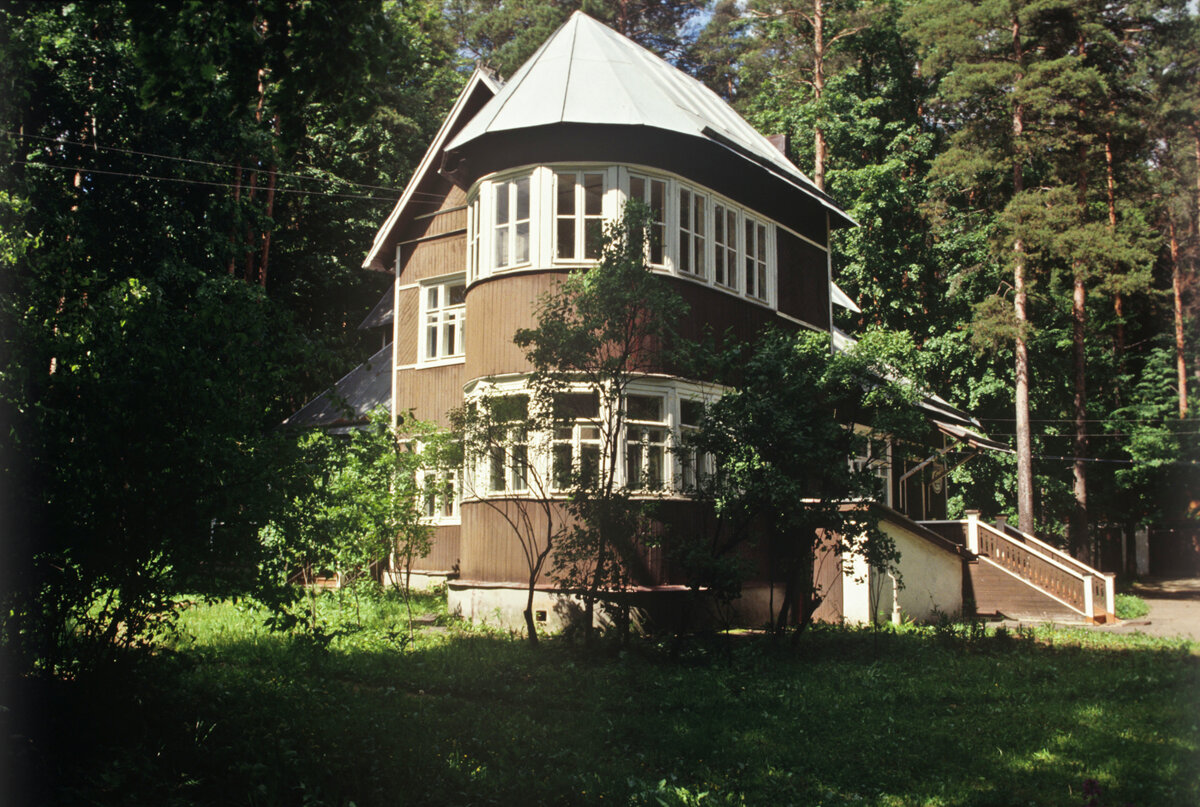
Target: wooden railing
[(1029, 564), (1103, 585)]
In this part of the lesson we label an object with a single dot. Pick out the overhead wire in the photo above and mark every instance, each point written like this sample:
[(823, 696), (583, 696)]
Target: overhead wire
[(332, 178)]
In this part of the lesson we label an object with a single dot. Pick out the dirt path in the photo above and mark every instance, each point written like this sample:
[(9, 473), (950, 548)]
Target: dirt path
[(1174, 609)]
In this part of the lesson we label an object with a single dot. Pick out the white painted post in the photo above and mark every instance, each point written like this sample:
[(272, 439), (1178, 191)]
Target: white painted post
[(973, 531), (1089, 602), (1141, 550), (1110, 594)]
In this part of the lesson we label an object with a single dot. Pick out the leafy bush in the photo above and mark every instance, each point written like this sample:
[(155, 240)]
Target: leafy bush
[(1130, 606)]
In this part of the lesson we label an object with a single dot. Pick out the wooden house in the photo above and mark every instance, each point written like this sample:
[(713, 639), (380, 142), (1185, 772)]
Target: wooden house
[(510, 196)]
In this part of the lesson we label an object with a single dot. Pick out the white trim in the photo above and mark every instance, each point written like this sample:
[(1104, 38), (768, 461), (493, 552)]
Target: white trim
[(799, 321), (434, 150)]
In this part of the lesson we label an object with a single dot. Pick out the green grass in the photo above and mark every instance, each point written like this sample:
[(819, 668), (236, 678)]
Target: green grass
[(231, 714)]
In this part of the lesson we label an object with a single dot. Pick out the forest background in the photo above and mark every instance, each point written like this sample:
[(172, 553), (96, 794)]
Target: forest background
[(189, 189)]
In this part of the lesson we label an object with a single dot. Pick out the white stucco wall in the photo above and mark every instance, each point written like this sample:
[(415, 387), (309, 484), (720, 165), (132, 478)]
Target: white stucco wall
[(504, 607), (931, 576)]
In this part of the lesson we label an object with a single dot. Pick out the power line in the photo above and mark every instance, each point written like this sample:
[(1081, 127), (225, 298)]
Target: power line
[(208, 183), (1085, 420), (210, 163)]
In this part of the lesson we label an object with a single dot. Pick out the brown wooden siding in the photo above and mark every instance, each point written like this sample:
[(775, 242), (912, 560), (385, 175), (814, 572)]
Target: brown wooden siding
[(407, 314), (495, 310), (444, 552), (442, 255), (448, 214), (994, 591), (803, 280), (430, 392)]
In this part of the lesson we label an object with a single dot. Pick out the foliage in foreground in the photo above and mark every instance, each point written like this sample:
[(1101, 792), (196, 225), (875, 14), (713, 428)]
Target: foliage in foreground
[(931, 716)]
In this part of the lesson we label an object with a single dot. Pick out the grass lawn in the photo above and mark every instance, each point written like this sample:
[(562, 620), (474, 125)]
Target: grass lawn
[(232, 714)]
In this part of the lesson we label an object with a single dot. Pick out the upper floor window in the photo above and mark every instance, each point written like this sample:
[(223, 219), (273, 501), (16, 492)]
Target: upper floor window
[(444, 312), (652, 193), (578, 215), (510, 231), (725, 251), (756, 258), (692, 219), (473, 228)]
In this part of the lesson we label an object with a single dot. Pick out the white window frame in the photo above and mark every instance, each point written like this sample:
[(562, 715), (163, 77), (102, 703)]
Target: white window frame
[(433, 485), (662, 226), (579, 217), (693, 232), (583, 432), (648, 447), (440, 317), (508, 189)]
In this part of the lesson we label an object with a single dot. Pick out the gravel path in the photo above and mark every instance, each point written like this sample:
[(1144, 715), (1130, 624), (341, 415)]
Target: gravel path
[(1174, 609)]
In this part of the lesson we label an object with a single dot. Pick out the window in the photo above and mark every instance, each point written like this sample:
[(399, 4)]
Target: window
[(473, 240), (725, 261), (652, 193), (441, 492), (756, 259), (508, 464), (645, 442), (510, 233), (575, 450), (690, 465), (874, 456), (692, 216), (444, 313), (578, 215)]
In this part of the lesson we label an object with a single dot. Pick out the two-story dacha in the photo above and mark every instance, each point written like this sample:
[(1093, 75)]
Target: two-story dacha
[(514, 192)]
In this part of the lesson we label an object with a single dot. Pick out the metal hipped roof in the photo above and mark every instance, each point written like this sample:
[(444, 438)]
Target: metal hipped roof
[(586, 73), (353, 398)]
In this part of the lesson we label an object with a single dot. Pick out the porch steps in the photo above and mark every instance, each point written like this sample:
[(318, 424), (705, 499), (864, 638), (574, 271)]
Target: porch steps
[(1017, 576)]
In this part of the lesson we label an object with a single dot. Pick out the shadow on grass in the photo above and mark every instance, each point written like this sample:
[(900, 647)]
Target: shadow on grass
[(845, 717)]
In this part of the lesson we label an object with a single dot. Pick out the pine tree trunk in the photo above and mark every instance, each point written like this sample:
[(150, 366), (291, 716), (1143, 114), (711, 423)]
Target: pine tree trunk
[(1079, 516), (1111, 188), (1020, 304), (1180, 341), (819, 145)]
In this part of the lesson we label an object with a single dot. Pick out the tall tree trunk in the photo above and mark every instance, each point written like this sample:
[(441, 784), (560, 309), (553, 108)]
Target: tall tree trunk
[(1079, 539), (237, 198), (819, 146), (1020, 307), (1111, 189), (1180, 342)]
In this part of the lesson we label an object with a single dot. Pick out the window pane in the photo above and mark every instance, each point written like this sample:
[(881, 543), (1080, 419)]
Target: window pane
[(566, 194), (448, 338), (502, 246), (593, 194), (685, 252), (502, 203), (566, 239), (698, 227), (577, 405), (520, 467), (496, 481), (521, 248), (523, 198), (690, 412), (593, 238), (637, 188), (562, 465), (589, 465), (685, 210), (633, 462), (654, 467), (644, 407), (431, 341), (458, 294), (432, 298)]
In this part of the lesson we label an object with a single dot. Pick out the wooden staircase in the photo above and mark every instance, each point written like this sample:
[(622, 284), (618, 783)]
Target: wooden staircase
[(1015, 575)]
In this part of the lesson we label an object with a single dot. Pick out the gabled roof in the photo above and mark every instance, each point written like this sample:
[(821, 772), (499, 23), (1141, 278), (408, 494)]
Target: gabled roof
[(353, 398), (480, 81), (586, 73)]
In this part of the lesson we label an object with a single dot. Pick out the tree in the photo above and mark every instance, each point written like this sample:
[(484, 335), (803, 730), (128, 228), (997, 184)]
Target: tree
[(355, 503), (782, 437), (597, 332)]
